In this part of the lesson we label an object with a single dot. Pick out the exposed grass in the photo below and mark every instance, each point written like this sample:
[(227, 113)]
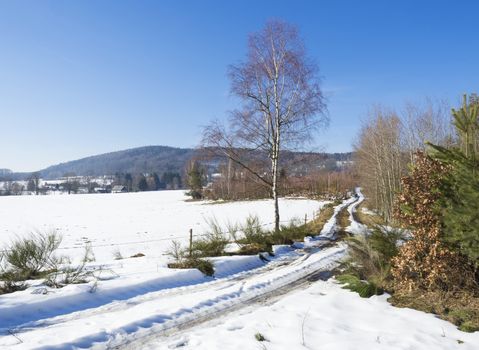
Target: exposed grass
[(184, 260), (461, 308), (324, 215), (288, 234), (137, 255), (212, 243), (365, 289), (370, 257), (342, 221), (9, 283), (204, 265), (251, 237), (260, 337), (367, 219)]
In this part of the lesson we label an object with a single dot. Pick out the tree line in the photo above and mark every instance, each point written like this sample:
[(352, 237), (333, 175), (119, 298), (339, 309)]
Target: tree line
[(386, 145)]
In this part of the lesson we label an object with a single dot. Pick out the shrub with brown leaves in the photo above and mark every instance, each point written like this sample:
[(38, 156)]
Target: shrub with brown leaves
[(425, 261)]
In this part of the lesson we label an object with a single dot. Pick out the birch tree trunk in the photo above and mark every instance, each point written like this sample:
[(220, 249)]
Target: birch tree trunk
[(282, 104)]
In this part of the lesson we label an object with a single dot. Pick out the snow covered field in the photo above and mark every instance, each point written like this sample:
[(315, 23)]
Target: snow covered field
[(137, 303), (143, 222)]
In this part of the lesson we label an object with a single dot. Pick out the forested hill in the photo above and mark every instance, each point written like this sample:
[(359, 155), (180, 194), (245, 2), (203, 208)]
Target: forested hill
[(147, 159), (159, 159)]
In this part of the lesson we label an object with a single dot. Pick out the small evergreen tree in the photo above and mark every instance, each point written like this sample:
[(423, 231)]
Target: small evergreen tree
[(195, 180), (461, 187), (129, 182), (171, 180), (142, 184), (31, 186), (156, 183)]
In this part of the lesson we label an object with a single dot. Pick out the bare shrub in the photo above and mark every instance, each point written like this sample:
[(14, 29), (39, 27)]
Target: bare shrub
[(176, 251), (117, 255), (64, 275)]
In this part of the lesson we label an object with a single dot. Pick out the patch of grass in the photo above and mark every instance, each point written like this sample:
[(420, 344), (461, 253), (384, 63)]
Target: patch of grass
[(212, 243), (324, 215), (365, 289), (10, 284), (295, 230), (204, 265), (469, 327), (254, 239), (367, 219), (183, 259), (459, 308), (252, 249), (467, 320), (260, 337), (370, 256), (342, 221)]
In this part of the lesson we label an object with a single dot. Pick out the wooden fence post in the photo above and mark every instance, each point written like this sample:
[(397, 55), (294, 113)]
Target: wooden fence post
[(191, 242)]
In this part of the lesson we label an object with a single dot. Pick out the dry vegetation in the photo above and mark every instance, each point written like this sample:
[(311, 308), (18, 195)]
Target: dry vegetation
[(370, 220), (250, 237), (35, 257), (435, 199)]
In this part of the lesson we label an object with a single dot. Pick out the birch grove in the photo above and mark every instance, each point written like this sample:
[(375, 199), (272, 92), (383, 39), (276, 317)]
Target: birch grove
[(387, 143)]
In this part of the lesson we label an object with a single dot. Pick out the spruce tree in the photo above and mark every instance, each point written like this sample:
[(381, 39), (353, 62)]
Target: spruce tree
[(142, 183), (195, 180), (460, 203)]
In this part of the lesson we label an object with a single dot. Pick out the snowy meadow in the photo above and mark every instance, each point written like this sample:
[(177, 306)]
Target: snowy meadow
[(131, 223)]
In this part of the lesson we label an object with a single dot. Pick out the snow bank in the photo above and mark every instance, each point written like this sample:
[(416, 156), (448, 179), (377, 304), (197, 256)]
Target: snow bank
[(324, 317)]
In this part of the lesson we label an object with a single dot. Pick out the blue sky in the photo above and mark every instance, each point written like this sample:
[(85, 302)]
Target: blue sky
[(79, 78)]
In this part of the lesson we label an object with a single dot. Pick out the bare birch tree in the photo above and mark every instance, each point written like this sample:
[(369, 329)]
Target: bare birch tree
[(429, 121), (282, 104), (380, 160)]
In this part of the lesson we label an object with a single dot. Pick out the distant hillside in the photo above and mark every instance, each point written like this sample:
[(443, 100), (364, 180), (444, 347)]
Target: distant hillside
[(162, 159), (147, 159)]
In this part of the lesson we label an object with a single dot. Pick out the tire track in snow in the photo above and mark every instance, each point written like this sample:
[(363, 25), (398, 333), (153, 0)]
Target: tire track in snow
[(217, 284), (273, 292), (239, 289), (328, 230)]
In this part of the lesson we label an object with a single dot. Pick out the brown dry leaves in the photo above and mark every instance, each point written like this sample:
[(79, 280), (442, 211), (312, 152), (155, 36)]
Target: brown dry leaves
[(425, 262)]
